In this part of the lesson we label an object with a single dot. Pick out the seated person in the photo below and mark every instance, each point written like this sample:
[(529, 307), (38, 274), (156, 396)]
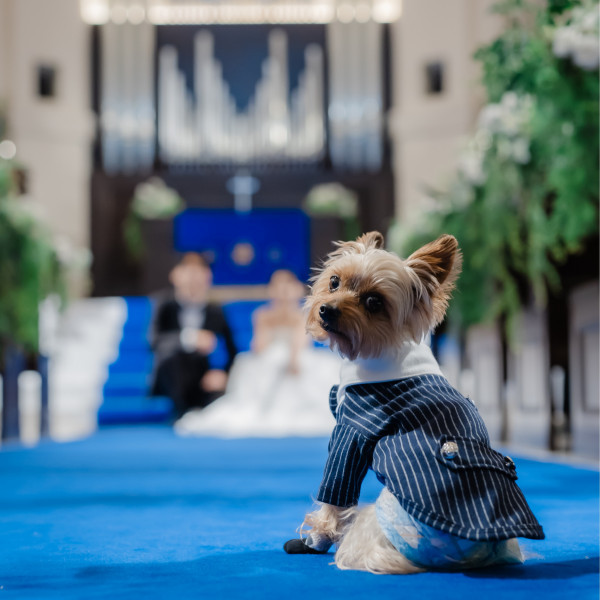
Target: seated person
[(282, 318), (184, 334), (281, 386)]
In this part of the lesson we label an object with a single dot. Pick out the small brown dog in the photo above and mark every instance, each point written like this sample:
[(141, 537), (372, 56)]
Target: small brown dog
[(449, 500)]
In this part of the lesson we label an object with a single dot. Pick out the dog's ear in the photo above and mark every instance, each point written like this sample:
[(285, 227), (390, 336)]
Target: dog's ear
[(373, 239), (437, 266), (436, 259)]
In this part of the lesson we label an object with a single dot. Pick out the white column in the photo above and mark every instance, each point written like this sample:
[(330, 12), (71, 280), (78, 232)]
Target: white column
[(584, 359), (484, 352), (528, 387)]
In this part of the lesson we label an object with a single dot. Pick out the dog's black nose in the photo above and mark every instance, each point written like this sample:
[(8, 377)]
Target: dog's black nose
[(328, 313)]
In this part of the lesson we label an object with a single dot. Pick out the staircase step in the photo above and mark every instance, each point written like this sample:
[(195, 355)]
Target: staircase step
[(127, 384), (134, 409)]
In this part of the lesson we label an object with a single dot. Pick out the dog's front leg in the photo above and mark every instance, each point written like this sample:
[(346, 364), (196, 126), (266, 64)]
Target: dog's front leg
[(326, 527)]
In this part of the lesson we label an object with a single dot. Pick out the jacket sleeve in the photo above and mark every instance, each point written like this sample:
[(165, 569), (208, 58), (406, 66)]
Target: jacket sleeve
[(362, 419), (350, 454)]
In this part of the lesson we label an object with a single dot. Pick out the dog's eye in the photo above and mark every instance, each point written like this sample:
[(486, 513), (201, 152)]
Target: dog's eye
[(334, 283), (373, 303)]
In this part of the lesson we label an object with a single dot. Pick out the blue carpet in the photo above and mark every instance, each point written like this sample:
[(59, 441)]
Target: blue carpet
[(138, 513)]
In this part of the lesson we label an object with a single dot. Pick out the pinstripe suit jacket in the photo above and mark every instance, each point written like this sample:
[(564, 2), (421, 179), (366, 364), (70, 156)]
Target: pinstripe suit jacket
[(398, 429)]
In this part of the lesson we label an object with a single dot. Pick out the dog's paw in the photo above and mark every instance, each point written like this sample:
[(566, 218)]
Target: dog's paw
[(298, 546)]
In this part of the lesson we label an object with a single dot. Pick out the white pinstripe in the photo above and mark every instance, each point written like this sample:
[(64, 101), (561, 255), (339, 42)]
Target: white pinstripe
[(482, 505), (370, 429), (498, 496), (430, 495), (441, 474), (455, 428)]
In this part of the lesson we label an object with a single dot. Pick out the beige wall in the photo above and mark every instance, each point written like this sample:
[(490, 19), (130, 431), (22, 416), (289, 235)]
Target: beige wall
[(428, 130), (52, 135)]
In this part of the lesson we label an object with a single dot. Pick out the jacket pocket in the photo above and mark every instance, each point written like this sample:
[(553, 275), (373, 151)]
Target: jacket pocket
[(463, 454)]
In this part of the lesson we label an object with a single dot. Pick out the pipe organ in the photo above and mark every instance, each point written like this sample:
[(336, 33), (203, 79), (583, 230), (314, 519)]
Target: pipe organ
[(206, 127), (174, 102), (127, 106)]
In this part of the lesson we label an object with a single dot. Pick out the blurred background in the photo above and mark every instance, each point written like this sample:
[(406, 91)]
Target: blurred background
[(256, 133)]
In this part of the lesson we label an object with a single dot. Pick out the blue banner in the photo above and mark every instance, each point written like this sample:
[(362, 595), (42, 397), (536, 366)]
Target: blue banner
[(246, 248)]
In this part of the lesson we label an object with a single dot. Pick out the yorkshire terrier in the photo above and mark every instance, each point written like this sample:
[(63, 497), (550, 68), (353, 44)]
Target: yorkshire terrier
[(449, 500)]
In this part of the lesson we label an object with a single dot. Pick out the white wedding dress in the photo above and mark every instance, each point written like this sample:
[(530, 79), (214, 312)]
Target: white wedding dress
[(263, 399)]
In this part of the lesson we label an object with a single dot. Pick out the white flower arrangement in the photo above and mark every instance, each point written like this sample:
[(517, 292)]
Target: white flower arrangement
[(154, 200), (509, 117), (470, 163), (72, 257), (26, 214), (332, 199), (579, 38), (504, 126)]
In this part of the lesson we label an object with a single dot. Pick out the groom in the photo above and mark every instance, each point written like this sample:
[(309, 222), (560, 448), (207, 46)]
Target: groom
[(184, 334)]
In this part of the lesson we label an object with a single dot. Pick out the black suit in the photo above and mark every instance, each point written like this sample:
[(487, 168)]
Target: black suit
[(400, 429), (179, 372)]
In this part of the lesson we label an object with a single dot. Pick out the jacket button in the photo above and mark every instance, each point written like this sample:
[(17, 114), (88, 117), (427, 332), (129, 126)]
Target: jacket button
[(450, 450), (509, 462)]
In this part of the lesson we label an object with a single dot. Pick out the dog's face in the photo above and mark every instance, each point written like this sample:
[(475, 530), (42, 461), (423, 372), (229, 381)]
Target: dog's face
[(366, 301)]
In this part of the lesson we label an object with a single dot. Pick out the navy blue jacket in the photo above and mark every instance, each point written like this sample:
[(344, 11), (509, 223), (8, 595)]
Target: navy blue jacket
[(398, 429)]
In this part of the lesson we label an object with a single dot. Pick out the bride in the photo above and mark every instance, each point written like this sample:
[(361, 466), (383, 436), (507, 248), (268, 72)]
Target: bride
[(280, 387)]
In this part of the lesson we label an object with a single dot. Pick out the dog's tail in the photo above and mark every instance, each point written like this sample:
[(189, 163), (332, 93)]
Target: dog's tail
[(365, 547)]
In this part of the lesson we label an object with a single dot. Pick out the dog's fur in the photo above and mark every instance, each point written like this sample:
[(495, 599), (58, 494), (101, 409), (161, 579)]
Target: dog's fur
[(412, 296), (415, 294)]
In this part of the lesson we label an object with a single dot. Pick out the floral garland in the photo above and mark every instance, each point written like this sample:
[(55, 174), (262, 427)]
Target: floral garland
[(525, 194)]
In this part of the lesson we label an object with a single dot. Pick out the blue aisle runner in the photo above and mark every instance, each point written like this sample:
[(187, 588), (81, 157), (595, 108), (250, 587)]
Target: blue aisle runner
[(139, 513)]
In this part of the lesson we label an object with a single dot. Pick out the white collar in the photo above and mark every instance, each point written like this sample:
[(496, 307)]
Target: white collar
[(410, 360)]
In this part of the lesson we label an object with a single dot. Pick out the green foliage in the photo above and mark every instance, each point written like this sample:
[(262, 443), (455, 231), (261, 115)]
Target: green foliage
[(132, 234), (526, 194), (29, 267)]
